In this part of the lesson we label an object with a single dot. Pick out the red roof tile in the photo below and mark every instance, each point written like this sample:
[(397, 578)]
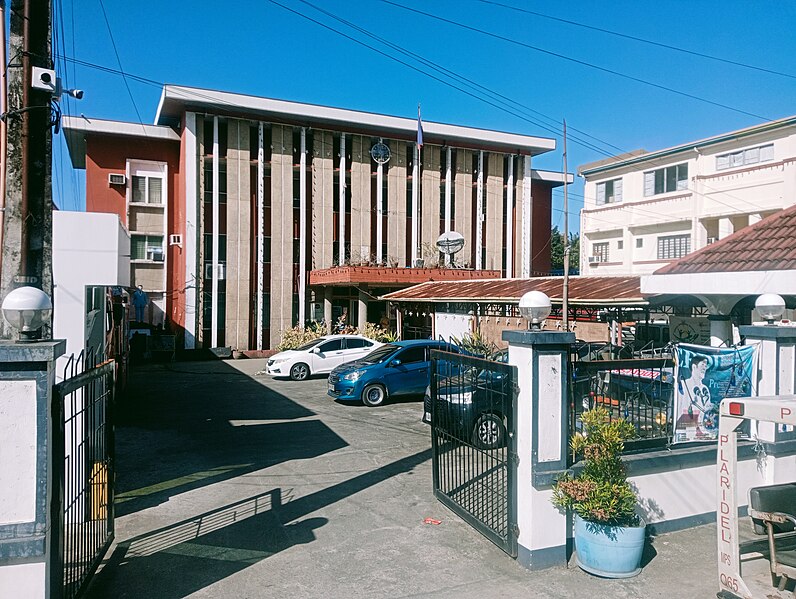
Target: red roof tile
[(767, 245), (584, 291)]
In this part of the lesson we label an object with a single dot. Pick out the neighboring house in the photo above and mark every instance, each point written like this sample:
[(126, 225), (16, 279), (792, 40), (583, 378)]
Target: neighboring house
[(644, 209), (90, 253), (249, 215)]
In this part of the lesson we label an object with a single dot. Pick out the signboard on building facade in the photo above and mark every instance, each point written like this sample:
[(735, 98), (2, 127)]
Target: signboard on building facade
[(687, 329), (704, 376)]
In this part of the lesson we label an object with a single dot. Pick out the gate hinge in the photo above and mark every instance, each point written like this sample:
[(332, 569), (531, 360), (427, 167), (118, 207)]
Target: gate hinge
[(515, 531), (514, 458)]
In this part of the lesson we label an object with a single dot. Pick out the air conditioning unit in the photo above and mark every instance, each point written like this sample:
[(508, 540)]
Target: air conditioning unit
[(117, 179), (711, 240), (175, 239), (155, 254), (419, 263)]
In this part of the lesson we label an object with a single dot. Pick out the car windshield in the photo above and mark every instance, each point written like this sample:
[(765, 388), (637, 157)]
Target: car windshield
[(380, 354), (311, 344)]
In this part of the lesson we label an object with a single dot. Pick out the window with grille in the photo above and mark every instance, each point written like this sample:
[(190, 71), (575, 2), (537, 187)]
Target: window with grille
[(609, 192), (600, 251), (743, 157), (664, 180), (673, 246)]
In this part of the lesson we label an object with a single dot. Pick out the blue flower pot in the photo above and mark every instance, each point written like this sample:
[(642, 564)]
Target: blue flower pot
[(609, 551)]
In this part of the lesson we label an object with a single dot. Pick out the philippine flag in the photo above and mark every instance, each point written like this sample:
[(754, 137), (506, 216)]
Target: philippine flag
[(419, 129)]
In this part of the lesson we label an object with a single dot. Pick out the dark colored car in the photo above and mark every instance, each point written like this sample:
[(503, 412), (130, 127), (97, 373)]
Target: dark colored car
[(473, 405), (393, 370)]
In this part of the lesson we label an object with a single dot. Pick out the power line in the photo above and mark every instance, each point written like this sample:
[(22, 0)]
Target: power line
[(473, 84), (119, 61), (575, 60), (640, 39)]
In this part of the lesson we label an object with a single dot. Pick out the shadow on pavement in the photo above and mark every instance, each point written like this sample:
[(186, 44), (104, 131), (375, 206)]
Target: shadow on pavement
[(184, 426), (182, 558)]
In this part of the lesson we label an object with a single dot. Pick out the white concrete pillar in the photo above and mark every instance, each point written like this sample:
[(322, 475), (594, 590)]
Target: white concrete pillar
[(327, 307), (215, 240), (341, 195), (541, 360), (302, 282), (527, 216), (415, 206), (31, 472), (448, 197), (379, 213), (362, 310), (479, 212), (192, 276), (720, 330), (725, 227), (260, 234)]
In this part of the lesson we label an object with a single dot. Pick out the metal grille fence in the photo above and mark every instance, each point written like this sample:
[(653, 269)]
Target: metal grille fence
[(640, 391), (471, 407), (84, 510)]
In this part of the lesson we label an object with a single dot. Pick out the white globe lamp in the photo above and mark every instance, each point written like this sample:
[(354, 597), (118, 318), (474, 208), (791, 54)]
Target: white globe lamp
[(770, 306), (535, 306), (27, 309)]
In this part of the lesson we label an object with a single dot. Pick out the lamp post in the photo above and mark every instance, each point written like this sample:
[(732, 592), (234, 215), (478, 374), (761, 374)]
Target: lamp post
[(27, 309), (535, 306)]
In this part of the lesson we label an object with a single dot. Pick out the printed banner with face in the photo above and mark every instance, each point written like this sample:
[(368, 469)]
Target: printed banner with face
[(705, 376)]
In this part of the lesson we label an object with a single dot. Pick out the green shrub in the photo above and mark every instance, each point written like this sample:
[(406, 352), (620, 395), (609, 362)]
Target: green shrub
[(476, 344), (379, 333), (298, 336), (600, 492)]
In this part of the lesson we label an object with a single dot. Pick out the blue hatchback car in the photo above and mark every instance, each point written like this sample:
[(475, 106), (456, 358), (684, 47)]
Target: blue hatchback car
[(392, 370)]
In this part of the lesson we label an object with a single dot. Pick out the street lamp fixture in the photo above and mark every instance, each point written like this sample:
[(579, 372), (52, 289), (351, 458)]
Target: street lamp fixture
[(535, 306), (27, 309), (770, 306)]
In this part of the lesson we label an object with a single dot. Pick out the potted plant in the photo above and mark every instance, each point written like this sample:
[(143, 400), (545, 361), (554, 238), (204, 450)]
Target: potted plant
[(609, 535)]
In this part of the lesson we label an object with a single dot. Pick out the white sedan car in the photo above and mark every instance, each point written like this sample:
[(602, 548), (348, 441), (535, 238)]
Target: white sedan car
[(319, 356)]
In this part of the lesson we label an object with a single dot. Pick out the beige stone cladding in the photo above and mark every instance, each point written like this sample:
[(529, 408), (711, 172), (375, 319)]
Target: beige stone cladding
[(148, 275), (430, 204), (238, 290), (361, 246), (463, 198), (493, 202), (396, 205), (146, 219), (322, 198), (281, 231)]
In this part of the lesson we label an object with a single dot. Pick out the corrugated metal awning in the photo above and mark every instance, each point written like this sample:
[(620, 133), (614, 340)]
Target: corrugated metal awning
[(583, 291)]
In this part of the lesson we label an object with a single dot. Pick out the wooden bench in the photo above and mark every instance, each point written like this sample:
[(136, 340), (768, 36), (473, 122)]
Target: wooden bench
[(773, 512)]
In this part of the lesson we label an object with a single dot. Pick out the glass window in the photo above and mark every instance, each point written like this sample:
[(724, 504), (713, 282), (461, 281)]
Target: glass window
[(673, 246), (147, 189), (747, 156), (640, 242), (609, 192), (600, 251), (620, 244), (333, 345), (146, 247), (380, 354), (356, 343), (412, 355), (665, 180)]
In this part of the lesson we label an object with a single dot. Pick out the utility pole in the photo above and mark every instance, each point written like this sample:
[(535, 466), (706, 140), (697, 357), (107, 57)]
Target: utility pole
[(565, 294), (27, 223)]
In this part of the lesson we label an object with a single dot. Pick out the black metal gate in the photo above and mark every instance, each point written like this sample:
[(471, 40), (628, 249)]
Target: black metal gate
[(472, 411), (84, 445)]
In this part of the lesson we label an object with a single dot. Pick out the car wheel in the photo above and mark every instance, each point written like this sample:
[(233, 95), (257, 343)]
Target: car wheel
[(373, 395), (299, 372), (489, 432)]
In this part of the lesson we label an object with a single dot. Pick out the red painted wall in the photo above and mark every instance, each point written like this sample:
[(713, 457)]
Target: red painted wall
[(541, 223), (107, 154)]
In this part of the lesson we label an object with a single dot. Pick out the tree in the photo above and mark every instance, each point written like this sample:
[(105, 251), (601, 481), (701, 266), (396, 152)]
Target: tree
[(557, 251)]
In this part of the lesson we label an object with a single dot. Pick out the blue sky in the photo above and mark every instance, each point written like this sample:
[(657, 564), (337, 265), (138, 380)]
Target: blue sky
[(262, 48)]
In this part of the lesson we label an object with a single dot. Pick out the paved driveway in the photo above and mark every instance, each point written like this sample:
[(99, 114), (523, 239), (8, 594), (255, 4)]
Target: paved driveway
[(236, 485)]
